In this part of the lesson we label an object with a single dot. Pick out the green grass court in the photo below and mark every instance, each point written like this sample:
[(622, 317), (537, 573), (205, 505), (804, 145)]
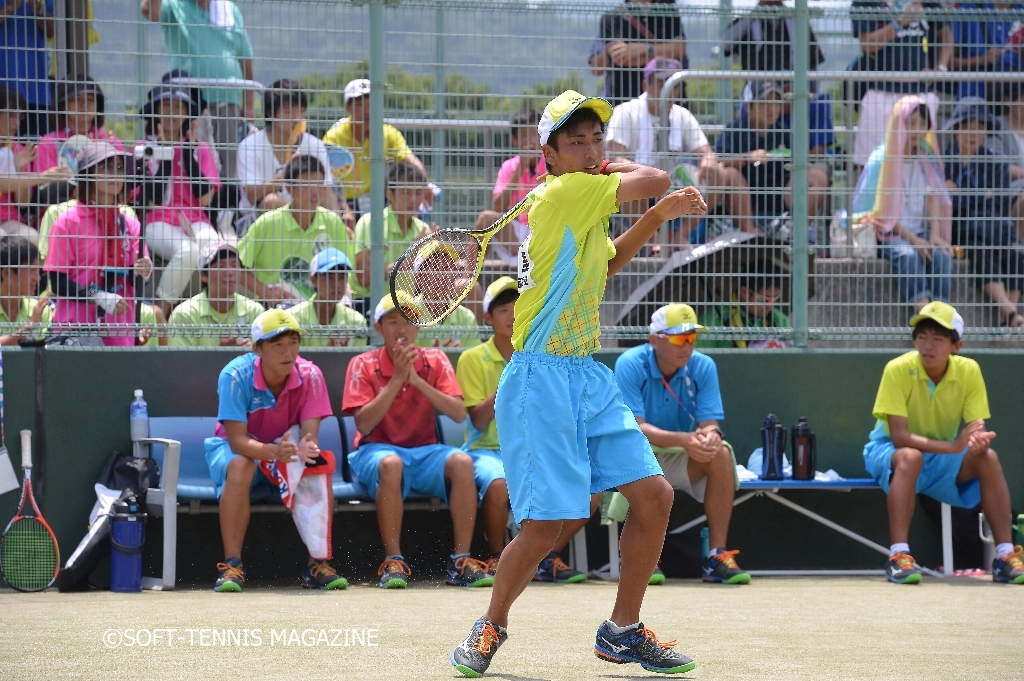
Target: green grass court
[(776, 628)]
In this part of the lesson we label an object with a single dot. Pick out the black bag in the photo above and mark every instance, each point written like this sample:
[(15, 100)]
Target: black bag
[(125, 472)]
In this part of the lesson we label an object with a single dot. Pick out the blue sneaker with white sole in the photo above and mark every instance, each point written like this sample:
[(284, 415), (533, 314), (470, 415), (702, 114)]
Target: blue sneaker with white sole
[(639, 644)]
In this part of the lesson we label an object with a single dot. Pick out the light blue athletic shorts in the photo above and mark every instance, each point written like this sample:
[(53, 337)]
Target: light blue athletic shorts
[(423, 473), (937, 478), (565, 433), (218, 456), (487, 467)]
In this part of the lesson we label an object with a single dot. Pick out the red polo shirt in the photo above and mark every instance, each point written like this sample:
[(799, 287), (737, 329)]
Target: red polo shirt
[(409, 422)]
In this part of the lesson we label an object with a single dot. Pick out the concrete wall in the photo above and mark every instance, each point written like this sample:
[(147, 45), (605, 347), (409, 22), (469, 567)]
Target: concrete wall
[(86, 394)]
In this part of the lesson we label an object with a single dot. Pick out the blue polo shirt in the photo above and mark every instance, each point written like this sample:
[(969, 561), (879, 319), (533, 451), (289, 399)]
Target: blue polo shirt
[(23, 64), (644, 392)]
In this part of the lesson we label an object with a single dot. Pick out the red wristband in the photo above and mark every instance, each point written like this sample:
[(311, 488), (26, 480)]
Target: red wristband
[(604, 164)]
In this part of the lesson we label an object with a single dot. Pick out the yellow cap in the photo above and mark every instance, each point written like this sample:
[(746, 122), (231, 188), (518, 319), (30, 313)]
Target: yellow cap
[(497, 287), (675, 318), (943, 314), (558, 110), (387, 304), (273, 323)]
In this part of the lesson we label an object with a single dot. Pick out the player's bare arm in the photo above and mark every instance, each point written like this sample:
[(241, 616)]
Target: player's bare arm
[(448, 405), (687, 201), (482, 414), (237, 435)]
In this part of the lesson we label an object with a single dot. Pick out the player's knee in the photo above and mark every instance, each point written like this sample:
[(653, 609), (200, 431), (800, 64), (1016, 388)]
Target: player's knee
[(655, 496), (240, 471), (458, 466), (908, 459), (390, 468), (497, 493), (987, 460)]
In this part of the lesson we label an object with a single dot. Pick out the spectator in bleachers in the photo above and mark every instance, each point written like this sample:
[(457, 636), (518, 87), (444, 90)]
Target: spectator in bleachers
[(208, 40), (517, 176), (762, 40), (328, 275), (918, 447), (896, 37), (673, 392), (181, 180), (758, 144), (279, 247), (19, 281), (406, 183), (392, 392), (271, 403), (478, 372), (16, 178), (754, 304), (218, 304), (81, 109), (94, 254), (1010, 140), (461, 322), (632, 133), (988, 37), (353, 133), (903, 192), (24, 27), (55, 211), (980, 186), (631, 35), (262, 156)]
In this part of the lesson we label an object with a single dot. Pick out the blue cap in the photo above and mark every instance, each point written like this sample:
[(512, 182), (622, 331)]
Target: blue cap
[(327, 260)]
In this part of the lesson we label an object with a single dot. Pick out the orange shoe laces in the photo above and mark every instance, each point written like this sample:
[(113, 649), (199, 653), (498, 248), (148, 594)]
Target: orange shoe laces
[(488, 637), (558, 565), (728, 558), (394, 565), (904, 561), (1016, 557), (649, 635), (467, 561), (322, 568), (231, 571), (492, 565)]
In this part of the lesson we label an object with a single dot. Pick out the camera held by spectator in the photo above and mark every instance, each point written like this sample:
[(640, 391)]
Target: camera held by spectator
[(153, 152)]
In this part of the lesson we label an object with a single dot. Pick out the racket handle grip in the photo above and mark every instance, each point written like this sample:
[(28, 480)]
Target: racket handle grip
[(26, 449)]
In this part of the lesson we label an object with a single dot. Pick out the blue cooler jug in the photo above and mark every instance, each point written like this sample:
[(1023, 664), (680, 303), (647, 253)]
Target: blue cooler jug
[(127, 535)]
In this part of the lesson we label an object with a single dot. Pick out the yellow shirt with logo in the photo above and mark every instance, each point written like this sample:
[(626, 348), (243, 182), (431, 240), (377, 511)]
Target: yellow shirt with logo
[(478, 372), (563, 265), (932, 411), (358, 183)]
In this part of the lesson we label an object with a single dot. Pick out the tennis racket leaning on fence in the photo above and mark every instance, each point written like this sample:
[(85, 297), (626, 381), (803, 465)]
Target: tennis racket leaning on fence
[(438, 271), (29, 557)]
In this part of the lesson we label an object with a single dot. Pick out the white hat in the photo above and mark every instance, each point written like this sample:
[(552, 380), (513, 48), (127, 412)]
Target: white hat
[(497, 287), (357, 88)]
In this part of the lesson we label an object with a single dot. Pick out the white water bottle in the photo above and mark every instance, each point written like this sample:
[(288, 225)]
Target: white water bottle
[(139, 417)]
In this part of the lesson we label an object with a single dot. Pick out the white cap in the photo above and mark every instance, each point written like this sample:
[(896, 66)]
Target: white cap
[(357, 88), (138, 393)]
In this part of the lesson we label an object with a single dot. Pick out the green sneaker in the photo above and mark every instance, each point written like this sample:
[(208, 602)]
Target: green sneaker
[(230, 577), (554, 569), (1010, 569), (320, 575), (901, 569), (722, 568), (658, 577), (393, 573)]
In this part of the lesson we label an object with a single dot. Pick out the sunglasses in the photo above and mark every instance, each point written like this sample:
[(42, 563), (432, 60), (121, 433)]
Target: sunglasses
[(680, 339), (759, 298)]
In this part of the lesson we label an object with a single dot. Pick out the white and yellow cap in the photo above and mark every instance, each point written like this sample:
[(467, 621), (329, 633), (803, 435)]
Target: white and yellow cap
[(273, 323), (432, 248), (387, 304), (943, 314), (497, 287), (675, 318), (559, 109)]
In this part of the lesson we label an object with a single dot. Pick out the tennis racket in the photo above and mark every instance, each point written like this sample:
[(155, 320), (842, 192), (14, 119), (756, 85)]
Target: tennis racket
[(29, 557), (438, 271)]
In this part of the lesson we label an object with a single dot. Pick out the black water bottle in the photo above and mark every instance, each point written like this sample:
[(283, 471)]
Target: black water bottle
[(804, 450), (773, 447)]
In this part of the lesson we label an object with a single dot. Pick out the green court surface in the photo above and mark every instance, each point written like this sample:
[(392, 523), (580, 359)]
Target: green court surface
[(776, 628)]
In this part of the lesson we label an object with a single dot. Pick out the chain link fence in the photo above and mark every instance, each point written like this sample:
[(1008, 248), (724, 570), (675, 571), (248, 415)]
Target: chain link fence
[(246, 132)]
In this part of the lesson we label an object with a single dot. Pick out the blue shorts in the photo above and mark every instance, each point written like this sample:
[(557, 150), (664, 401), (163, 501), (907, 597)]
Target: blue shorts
[(937, 478), (423, 473), (565, 434), (487, 467), (218, 456)]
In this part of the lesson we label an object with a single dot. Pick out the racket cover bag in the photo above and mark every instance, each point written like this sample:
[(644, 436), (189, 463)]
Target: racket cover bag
[(95, 545)]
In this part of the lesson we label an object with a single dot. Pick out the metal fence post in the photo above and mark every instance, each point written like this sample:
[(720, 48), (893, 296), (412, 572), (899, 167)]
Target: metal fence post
[(439, 134), (377, 84), (723, 88), (800, 141)]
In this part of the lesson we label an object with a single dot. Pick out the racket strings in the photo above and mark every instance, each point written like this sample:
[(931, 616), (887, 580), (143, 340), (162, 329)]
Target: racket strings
[(436, 275), (27, 555)]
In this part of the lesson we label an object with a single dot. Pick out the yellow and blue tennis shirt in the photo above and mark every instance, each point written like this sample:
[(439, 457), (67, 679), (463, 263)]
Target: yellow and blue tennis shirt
[(563, 265)]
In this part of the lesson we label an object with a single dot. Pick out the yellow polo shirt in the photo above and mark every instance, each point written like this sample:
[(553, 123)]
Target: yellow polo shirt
[(358, 183), (932, 411), (305, 315), (478, 372)]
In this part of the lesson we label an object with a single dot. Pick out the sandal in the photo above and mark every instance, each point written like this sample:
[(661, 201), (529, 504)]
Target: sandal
[(1013, 320)]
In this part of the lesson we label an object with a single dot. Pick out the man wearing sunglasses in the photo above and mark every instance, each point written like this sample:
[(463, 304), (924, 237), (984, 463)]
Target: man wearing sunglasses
[(673, 393)]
